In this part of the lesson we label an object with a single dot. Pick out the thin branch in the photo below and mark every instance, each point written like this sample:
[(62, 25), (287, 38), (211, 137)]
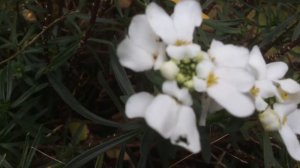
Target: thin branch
[(48, 156), (181, 160), (35, 38), (94, 12), (284, 49)]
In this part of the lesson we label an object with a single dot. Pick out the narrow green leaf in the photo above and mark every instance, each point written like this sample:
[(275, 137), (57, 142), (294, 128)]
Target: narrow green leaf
[(121, 76), (147, 140), (64, 93), (121, 157), (32, 150), (281, 28), (110, 92), (63, 56), (296, 33), (4, 163), (268, 152), (100, 41), (25, 152), (28, 93), (205, 144), (98, 19), (90, 154), (99, 161)]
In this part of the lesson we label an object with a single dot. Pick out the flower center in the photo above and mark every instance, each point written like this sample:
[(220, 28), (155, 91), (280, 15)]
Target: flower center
[(181, 43), (283, 94), (212, 79), (187, 70), (254, 91)]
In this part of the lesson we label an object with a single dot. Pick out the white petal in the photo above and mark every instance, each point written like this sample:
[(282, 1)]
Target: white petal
[(291, 142), (182, 95), (200, 85), (294, 98), (161, 23), (266, 88), (228, 55), (204, 68), (260, 104), (284, 109), (289, 85), (169, 70), (293, 121), (183, 51), (162, 114), (258, 63), (231, 99), (137, 104), (160, 57), (187, 15), (185, 133), (239, 78), (133, 57), (142, 35), (276, 70)]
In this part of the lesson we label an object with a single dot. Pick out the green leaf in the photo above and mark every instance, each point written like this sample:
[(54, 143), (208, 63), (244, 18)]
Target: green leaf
[(121, 76), (296, 33), (205, 144), (4, 163), (110, 92), (63, 56), (28, 93), (281, 28), (269, 160), (121, 157), (147, 140), (32, 151), (90, 154), (64, 93)]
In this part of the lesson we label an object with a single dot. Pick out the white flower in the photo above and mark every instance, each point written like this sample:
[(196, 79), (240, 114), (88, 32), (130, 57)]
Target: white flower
[(284, 118), (228, 55), (268, 81), (169, 114), (141, 50), (226, 86), (176, 30)]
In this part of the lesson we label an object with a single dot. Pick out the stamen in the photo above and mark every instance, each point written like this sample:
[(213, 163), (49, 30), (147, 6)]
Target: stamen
[(181, 43), (212, 79), (254, 91)]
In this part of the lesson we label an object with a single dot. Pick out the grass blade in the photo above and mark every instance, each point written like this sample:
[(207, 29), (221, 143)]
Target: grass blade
[(64, 93), (90, 154)]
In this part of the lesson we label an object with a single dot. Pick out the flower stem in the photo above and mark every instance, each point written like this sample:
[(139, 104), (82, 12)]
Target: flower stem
[(205, 101)]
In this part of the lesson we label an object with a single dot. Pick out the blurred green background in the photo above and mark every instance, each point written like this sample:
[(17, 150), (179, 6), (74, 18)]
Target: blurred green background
[(62, 90)]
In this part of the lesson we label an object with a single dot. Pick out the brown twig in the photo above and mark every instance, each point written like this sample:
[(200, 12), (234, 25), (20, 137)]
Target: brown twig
[(35, 38), (48, 156), (266, 47), (94, 12), (284, 49), (174, 164)]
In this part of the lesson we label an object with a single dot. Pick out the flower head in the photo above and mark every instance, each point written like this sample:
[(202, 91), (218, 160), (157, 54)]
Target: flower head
[(169, 114), (269, 82), (284, 118), (176, 30), (141, 50), (226, 86)]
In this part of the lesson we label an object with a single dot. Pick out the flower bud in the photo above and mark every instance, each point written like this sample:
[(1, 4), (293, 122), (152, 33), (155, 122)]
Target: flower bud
[(270, 120), (169, 70)]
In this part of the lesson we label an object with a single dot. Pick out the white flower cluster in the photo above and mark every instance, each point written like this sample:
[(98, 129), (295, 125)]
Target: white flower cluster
[(234, 78)]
